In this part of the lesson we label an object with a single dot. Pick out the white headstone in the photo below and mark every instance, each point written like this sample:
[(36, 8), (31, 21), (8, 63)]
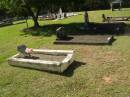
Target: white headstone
[(60, 11)]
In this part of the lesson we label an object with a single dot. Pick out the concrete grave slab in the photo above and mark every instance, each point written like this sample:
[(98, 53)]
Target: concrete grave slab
[(43, 59), (87, 39)]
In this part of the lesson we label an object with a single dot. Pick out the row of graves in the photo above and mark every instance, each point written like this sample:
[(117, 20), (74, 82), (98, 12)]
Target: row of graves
[(5, 22), (10, 21), (60, 60), (99, 33), (57, 60), (57, 16), (115, 5), (110, 19)]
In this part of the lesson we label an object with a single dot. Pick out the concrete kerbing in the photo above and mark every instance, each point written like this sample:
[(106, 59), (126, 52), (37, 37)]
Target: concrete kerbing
[(56, 66)]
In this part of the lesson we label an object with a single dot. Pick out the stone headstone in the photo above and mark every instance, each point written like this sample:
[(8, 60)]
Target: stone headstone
[(60, 14), (21, 48), (60, 11), (61, 35)]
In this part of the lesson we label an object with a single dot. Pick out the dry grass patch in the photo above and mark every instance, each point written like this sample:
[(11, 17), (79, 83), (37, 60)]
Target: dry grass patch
[(107, 79)]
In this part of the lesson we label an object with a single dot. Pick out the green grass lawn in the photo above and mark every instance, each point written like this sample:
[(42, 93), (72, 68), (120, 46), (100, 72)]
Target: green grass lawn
[(100, 71)]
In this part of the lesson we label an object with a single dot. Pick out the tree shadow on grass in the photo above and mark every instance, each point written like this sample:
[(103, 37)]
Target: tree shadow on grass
[(11, 24), (79, 29), (108, 28), (5, 25), (127, 30)]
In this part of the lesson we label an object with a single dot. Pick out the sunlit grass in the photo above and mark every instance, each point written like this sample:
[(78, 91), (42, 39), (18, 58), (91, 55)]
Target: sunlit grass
[(100, 62)]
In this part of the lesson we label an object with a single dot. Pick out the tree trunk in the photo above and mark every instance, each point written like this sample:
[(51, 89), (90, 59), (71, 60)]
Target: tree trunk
[(36, 24), (86, 18), (34, 17), (27, 22)]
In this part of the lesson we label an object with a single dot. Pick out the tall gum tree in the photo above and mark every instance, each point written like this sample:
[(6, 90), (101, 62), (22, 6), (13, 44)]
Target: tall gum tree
[(33, 7)]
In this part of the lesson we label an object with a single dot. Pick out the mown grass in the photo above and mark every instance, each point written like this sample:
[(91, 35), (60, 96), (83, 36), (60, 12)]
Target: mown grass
[(100, 71)]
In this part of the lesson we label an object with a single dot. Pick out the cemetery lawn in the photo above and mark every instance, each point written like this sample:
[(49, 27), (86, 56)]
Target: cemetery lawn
[(99, 71)]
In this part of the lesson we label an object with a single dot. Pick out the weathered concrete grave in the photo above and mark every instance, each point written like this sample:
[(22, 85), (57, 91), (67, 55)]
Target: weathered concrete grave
[(87, 39), (41, 59)]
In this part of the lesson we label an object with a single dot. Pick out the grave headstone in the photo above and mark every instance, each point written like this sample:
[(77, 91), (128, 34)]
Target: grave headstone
[(60, 14)]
